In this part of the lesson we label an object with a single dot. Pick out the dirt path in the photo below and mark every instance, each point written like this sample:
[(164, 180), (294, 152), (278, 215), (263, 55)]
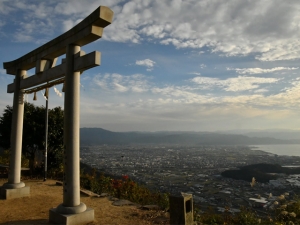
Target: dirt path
[(46, 195)]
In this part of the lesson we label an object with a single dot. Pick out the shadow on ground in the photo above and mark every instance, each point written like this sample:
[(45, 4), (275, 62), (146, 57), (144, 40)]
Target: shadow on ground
[(28, 222)]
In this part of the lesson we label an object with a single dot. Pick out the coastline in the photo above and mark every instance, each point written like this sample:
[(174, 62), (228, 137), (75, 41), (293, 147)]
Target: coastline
[(278, 149)]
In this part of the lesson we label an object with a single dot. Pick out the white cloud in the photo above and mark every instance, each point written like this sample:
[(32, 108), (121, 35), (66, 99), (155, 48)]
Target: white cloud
[(22, 37), (70, 8), (32, 27), (155, 31), (182, 95), (195, 73), (261, 70), (2, 71), (240, 83), (228, 27), (262, 90), (168, 113), (5, 8), (32, 9), (186, 105), (46, 18), (120, 87), (68, 24), (136, 83), (146, 62), (2, 23), (284, 100)]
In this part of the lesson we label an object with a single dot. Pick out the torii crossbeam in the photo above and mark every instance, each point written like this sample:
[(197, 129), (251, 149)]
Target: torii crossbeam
[(71, 211)]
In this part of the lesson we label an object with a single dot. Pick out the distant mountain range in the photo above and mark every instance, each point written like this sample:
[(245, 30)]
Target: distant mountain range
[(99, 136), (274, 133)]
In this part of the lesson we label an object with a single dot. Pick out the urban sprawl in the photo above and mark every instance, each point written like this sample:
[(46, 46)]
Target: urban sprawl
[(197, 170)]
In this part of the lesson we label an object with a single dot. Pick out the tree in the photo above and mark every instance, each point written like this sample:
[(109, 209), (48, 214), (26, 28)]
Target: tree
[(34, 133), (55, 141)]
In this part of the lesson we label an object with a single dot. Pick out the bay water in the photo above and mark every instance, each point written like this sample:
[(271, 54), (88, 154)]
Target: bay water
[(289, 150)]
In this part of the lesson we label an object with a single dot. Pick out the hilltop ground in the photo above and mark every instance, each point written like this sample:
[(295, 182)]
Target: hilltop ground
[(46, 195)]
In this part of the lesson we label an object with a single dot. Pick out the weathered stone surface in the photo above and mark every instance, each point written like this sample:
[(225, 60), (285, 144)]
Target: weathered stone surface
[(59, 183), (14, 193), (88, 193), (122, 202), (113, 199), (181, 209), (71, 219), (14, 175), (150, 207), (44, 58), (81, 63), (102, 195)]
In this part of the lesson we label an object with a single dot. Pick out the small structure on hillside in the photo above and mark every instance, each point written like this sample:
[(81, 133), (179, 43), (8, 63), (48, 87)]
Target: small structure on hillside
[(181, 209), (48, 74), (253, 182), (258, 202)]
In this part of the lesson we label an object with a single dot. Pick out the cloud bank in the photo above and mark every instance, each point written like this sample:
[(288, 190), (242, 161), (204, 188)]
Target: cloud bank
[(268, 29), (146, 62)]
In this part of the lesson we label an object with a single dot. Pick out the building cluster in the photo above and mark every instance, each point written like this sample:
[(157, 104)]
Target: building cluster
[(196, 170)]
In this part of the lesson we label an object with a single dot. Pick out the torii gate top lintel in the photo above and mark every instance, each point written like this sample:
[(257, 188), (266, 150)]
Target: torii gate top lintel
[(88, 30)]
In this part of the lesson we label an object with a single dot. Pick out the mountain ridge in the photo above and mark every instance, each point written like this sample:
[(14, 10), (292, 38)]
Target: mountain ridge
[(98, 136)]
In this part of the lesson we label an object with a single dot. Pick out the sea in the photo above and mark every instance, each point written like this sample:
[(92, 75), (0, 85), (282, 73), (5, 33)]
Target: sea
[(289, 150)]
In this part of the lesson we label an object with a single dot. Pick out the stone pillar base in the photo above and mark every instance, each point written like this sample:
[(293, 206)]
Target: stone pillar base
[(71, 219), (14, 193)]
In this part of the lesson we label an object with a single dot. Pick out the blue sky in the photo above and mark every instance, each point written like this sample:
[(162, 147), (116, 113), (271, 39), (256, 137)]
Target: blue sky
[(192, 65)]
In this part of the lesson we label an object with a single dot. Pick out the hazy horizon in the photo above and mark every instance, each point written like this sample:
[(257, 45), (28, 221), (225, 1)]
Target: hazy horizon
[(227, 131)]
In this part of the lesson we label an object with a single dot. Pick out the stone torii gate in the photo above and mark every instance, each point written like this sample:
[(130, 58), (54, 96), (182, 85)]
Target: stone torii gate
[(47, 73)]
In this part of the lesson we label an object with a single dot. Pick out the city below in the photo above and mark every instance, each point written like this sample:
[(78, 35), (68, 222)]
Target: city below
[(197, 170)]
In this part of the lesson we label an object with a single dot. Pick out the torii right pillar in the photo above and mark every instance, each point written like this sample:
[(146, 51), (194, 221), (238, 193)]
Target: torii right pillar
[(71, 211)]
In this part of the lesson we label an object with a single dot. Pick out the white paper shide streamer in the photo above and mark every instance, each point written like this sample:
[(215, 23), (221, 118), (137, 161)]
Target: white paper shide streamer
[(44, 95), (57, 92)]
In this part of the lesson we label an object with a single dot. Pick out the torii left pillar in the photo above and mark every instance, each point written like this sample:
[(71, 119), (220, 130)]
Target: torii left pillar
[(71, 211), (14, 188)]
